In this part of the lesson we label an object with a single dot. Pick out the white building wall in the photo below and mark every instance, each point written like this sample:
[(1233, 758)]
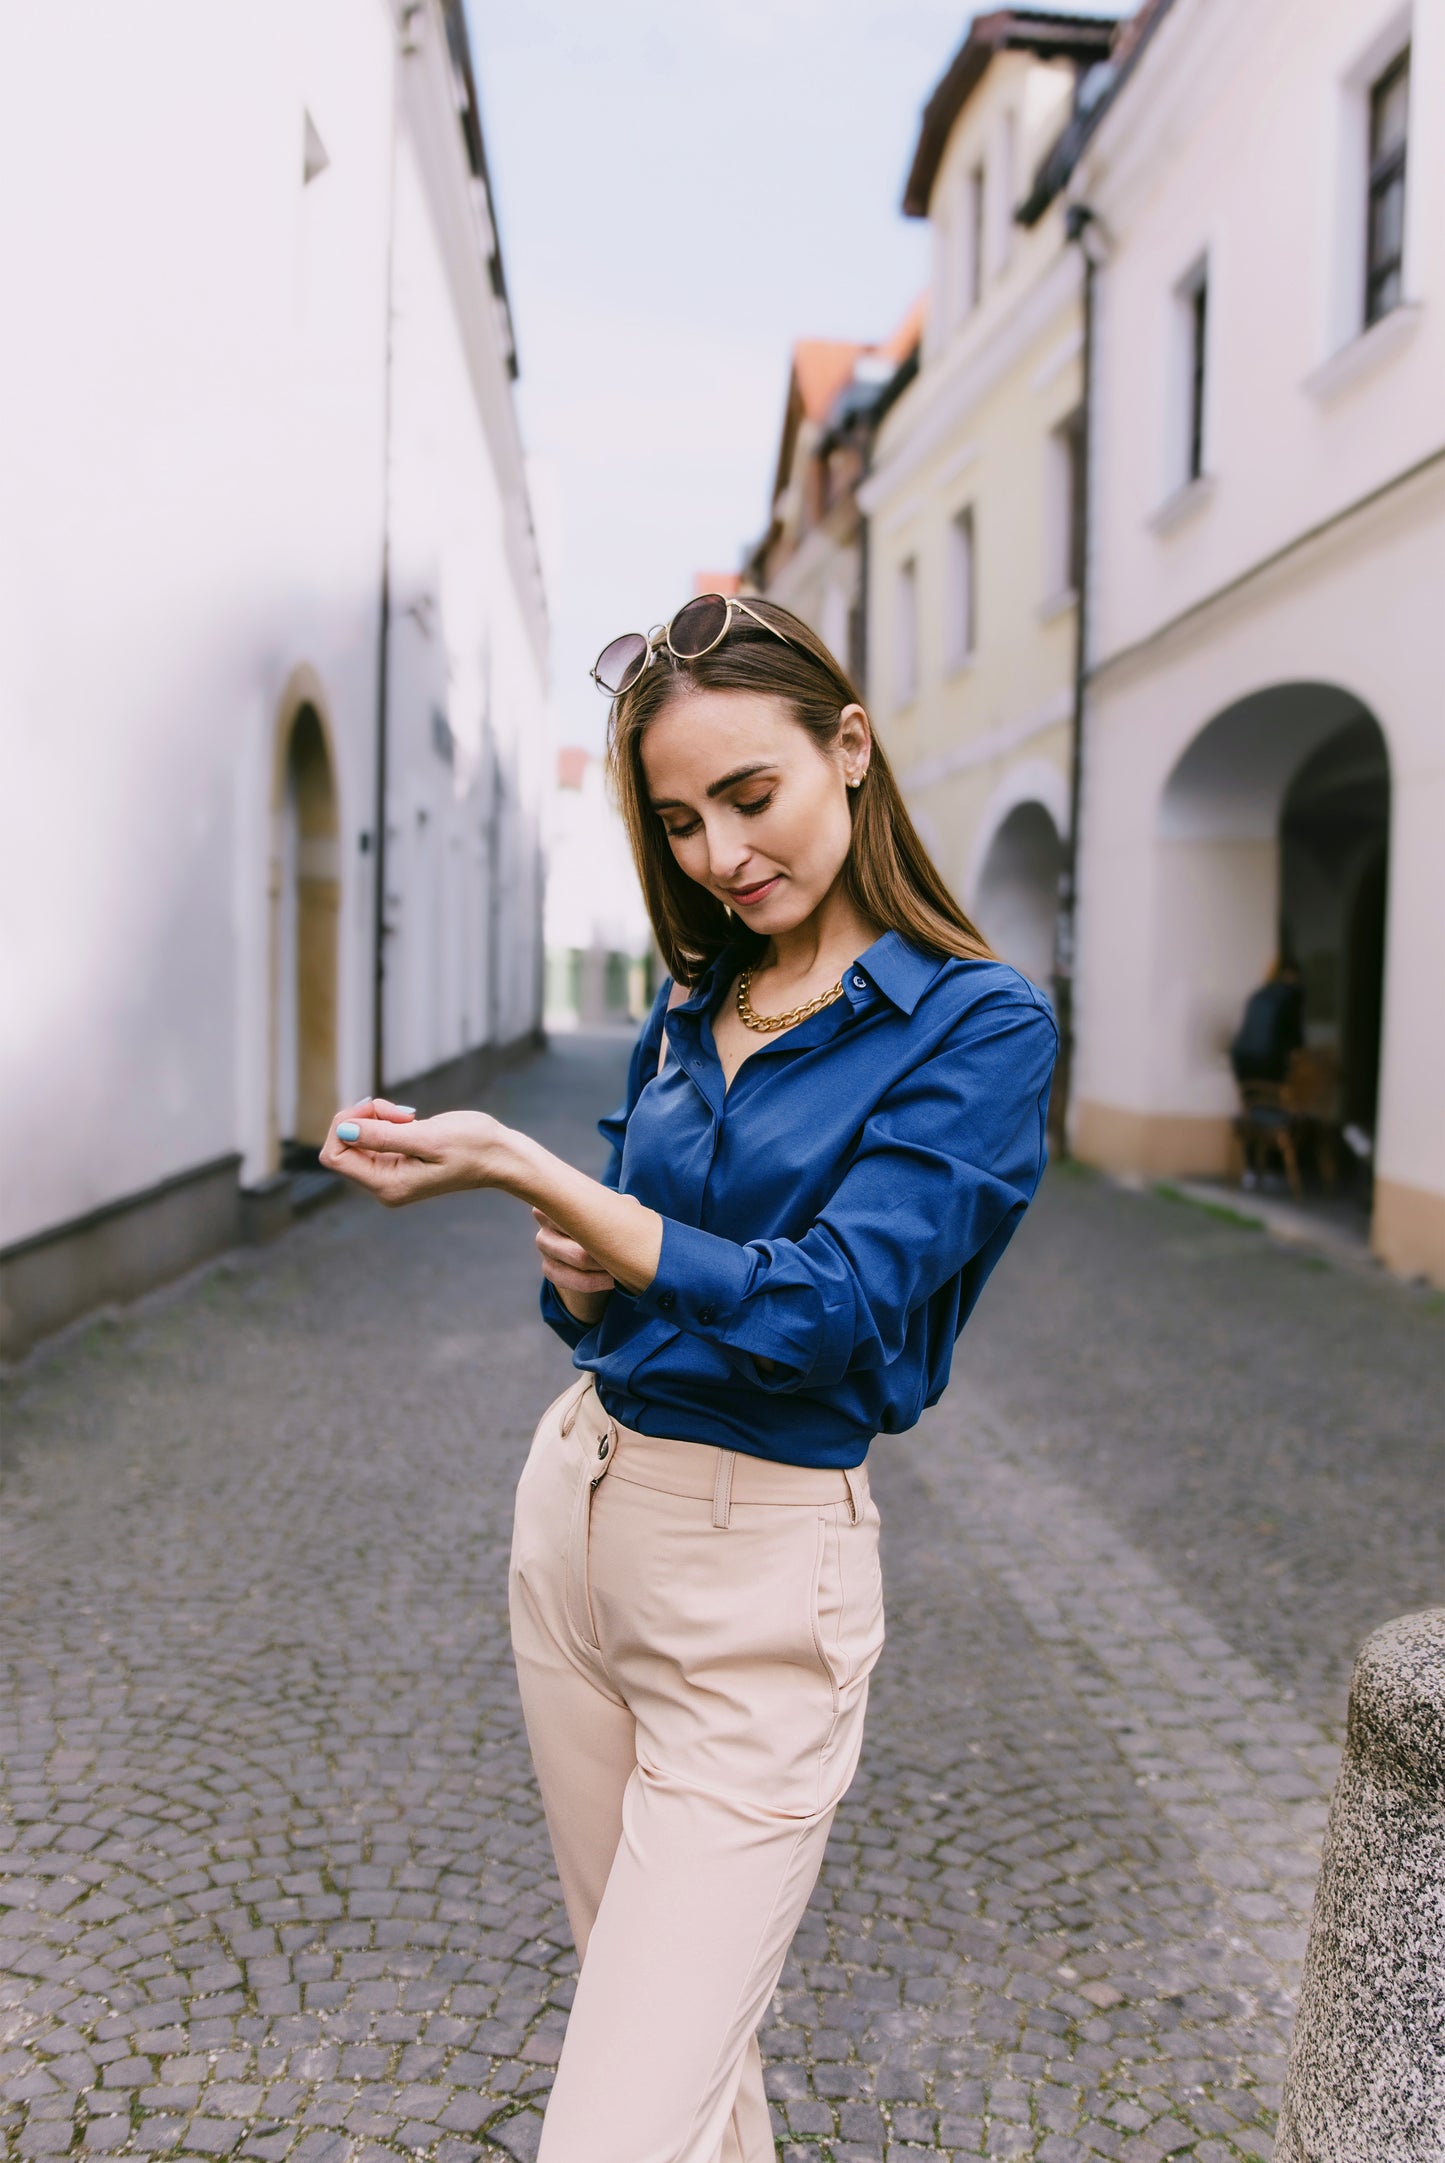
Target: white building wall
[(1239, 142), (192, 513)]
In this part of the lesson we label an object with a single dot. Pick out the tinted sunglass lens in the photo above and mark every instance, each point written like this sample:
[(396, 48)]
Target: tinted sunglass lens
[(698, 625), (619, 664)]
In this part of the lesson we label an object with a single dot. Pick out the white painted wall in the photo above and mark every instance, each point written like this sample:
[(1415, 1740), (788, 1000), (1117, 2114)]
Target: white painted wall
[(1238, 139), (191, 510)]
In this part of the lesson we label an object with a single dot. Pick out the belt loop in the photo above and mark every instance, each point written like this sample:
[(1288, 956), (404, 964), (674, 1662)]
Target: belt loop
[(722, 1490), (857, 1480), (569, 1417)]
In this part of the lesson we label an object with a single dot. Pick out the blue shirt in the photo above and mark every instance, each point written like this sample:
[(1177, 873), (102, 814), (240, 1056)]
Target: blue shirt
[(835, 1212)]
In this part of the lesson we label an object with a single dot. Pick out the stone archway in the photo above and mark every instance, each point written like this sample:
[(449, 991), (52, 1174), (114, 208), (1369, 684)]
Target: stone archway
[(1273, 835), (305, 903), (1016, 893)]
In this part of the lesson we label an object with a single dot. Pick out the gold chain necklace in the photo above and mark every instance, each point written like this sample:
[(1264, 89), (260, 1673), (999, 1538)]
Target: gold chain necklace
[(766, 1023)]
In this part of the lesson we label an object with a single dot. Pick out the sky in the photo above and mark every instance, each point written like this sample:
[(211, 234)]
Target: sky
[(683, 188)]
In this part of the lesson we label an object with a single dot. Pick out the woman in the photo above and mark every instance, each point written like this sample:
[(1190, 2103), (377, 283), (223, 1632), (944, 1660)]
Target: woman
[(834, 1121)]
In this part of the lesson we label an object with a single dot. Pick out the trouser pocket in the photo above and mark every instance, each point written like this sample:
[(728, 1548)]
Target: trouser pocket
[(542, 1522), (593, 1461)]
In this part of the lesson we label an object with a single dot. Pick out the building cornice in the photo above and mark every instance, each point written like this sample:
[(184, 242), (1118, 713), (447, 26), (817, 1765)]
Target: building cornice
[(1043, 32), (430, 78), (945, 393), (1178, 75), (1244, 582)]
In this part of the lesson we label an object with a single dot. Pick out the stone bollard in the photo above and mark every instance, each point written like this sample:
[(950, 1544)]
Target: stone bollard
[(1366, 2078)]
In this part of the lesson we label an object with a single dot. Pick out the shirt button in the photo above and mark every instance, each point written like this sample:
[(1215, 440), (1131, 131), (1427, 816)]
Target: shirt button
[(666, 1300), (706, 1314), (861, 983)]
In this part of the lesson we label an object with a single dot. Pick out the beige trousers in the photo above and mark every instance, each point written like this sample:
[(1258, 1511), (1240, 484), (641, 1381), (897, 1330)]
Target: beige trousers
[(693, 1630)]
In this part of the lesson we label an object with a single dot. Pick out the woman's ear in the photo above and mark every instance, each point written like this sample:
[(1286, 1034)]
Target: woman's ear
[(854, 740)]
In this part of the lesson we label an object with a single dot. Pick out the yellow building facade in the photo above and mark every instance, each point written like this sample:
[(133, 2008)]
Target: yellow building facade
[(973, 500)]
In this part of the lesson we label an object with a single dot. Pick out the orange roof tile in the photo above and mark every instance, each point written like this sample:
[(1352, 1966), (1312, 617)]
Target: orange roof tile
[(821, 366)]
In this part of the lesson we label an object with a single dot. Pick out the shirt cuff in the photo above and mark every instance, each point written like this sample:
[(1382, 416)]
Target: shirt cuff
[(701, 1279), (558, 1317)]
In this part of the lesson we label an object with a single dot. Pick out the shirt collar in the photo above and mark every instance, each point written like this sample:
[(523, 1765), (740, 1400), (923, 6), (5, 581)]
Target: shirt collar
[(900, 971)]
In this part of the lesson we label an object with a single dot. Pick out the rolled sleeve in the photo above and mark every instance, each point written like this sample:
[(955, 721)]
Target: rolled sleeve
[(766, 1300), (558, 1317), (949, 1159)]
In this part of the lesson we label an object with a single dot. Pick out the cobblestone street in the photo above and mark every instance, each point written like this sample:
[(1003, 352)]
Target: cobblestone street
[(275, 1880)]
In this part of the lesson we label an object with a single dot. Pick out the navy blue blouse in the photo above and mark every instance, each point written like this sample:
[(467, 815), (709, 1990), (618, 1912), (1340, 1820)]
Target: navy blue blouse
[(830, 1218)]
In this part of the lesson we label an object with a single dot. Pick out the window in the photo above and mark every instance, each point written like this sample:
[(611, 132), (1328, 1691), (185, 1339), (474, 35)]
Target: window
[(905, 634), (1076, 506), (857, 656), (1191, 357), (1385, 212), (1065, 568), (834, 625), (1006, 189), (973, 240), (961, 605), (1198, 301)]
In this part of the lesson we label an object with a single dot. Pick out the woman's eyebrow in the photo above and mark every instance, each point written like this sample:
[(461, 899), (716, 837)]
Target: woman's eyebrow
[(714, 788)]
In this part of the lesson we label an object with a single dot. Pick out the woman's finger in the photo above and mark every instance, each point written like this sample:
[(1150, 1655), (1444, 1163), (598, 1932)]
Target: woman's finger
[(383, 1108), (405, 1138), (578, 1280), (565, 1262), (562, 1249), (337, 1155), (555, 1246)]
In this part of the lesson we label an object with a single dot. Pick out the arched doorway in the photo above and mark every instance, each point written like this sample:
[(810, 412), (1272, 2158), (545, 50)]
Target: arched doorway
[(1016, 897), (1274, 830), (306, 889), (1334, 853)]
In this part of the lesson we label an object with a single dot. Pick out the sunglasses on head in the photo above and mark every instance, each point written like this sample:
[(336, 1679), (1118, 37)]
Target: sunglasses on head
[(698, 626)]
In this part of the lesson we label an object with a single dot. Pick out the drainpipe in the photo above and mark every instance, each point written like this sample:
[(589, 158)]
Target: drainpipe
[(864, 570), (379, 927), (1079, 220)]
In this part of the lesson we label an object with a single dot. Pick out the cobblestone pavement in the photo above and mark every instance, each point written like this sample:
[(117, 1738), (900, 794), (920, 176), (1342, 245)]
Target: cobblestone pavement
[(276, 1883)]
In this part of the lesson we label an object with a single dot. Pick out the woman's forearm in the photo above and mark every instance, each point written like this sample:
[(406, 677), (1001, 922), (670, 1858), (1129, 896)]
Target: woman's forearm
[(622, 1236)]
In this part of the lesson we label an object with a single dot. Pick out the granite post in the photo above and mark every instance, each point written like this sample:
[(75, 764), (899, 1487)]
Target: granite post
[(1366, 2078)]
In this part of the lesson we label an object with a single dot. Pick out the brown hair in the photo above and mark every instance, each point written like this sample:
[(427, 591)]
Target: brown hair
[(889, 876)]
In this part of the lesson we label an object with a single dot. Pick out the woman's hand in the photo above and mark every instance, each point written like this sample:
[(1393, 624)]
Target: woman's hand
[(400, 1158), (607, 1237), (582, 1284)]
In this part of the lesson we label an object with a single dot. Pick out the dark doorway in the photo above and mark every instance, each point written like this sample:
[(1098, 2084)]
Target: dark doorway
[(1334, 847), (1364, 994)]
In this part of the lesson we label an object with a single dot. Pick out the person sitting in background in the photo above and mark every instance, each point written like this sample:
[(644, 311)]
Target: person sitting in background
[(1271, 1027)]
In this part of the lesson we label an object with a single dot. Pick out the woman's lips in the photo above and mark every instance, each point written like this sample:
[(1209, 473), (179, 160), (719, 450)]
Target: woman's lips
[(745, 896)]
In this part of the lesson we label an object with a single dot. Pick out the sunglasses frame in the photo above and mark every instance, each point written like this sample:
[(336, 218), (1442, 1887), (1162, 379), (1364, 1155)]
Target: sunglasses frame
[(661, 634)]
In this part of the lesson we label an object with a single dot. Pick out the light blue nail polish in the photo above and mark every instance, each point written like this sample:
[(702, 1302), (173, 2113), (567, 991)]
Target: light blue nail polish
[(409, 1109), (348, 1131)]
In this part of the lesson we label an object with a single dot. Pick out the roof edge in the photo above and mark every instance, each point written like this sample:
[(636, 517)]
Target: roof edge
[(1045, 32)]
